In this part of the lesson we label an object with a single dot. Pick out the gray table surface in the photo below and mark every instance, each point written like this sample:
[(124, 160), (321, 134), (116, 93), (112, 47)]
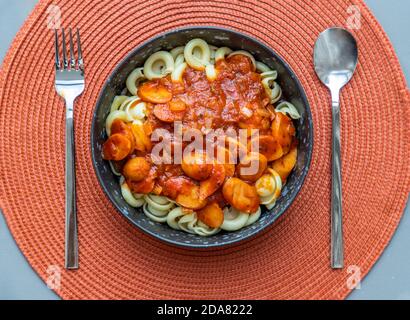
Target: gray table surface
[(389, 278)]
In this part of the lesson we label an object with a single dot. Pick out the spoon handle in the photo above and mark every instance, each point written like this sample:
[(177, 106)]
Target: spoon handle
[(336, 215)]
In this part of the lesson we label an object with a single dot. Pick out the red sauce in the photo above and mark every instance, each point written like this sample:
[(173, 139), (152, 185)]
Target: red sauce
[(218, 104), (236, 99)]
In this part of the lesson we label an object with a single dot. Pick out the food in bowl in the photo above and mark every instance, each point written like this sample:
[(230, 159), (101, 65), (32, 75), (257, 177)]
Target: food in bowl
[(201, 138)]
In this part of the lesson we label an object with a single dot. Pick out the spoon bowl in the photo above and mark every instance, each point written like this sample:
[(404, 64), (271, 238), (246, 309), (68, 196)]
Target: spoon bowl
[(335, 57)]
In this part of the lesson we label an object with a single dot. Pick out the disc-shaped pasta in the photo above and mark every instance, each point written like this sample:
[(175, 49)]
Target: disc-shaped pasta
[(269, 187), (177, 220), (129, 197), (210, 72), (197, 54), (221, 53), (253, 217), (233, 219), (261, 67), (117, 102), (245, 53), (187, 222), (276, 93), (265, 185), (127, 101), (161, 199), (176, 52), (270, 73), (134, 80), (133, 111), (159, 202), (270, 205), (273, 90), (176, 75), (155, 215), (288, 108), (158, 65), (173, 217), (156, 212), (136, 110), (203, 230), (213, 53), (118, 114), (179, 59)]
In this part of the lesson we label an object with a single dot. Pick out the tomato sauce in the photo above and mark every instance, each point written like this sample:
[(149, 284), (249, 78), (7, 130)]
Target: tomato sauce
[(216, 105), (235, 100)]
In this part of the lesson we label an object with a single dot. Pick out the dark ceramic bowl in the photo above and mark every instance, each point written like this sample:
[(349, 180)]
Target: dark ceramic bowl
[(292, 91)]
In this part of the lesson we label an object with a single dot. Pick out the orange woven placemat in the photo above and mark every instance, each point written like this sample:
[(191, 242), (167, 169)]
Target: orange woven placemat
[(291, 259)]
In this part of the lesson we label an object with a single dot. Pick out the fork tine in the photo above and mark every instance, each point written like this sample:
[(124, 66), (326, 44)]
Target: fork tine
[(58, 65), (72, 59), (80, 52), (65, 62)]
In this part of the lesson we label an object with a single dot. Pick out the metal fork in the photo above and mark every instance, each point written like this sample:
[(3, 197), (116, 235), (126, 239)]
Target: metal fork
[(69, 83)]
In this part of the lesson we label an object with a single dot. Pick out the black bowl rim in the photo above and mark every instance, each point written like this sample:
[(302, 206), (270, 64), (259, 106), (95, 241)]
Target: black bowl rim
[(304, 173)]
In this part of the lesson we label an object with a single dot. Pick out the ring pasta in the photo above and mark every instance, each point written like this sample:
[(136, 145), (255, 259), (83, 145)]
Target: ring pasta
[(197, 54), (273, 90), (134, 80), (246, 54), (133, 200), (158, 65), (153, 214), (117, 102), (261, 67), (179, 60), (253, 217), (176, 52), (164, 90), (221, 53), (117, 114), (176, 75), (210, 72), (234, 219), (288, 108), (269, 187)]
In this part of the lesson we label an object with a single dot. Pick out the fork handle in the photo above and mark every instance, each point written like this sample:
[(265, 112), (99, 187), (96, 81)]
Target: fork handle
[(336, 214), (71, 237)]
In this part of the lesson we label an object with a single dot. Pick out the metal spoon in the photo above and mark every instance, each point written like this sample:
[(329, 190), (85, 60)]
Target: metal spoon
[(335, 59)]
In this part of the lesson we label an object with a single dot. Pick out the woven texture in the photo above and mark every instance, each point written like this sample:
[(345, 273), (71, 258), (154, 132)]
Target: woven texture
[(290, 259)]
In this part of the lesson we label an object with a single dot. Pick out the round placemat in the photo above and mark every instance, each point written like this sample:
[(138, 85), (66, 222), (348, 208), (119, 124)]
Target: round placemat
[(291, 258)]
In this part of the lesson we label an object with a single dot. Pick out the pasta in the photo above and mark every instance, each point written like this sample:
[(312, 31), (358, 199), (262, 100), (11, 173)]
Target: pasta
[(117, 114), (273, 90), (221, 53), (197, 54), (261, 67), (117, 102), (134, 79), (177, 51), (178, 220), (176, 75), (246, 54), (234, 219), (158, 65), (269, 187), (133, 107), (199, 196), (288, 108), (134, 200), (157, 208)]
